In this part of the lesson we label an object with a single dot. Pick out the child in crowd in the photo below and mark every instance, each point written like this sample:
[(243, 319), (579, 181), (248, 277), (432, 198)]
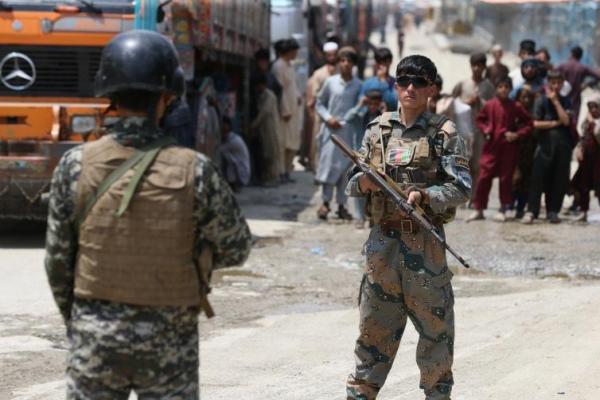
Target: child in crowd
[(522, 176), (339, 94), (552, 158), (502, 122), (587, 152), (370, 107)]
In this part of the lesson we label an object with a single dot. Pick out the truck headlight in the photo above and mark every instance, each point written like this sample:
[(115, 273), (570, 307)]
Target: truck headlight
[(83, 123)]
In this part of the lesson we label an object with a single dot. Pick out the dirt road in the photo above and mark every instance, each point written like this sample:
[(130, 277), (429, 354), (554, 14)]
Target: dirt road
[(287, 320), (537, 344)]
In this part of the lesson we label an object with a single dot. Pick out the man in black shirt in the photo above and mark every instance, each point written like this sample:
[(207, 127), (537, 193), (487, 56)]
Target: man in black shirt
[(177, 122), (552, 159)]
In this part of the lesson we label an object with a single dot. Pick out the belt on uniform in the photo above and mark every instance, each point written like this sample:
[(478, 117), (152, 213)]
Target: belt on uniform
[(392, 228)]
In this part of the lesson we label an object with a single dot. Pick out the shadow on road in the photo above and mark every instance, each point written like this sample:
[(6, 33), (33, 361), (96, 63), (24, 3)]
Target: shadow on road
[(282, 203), (22, 234)]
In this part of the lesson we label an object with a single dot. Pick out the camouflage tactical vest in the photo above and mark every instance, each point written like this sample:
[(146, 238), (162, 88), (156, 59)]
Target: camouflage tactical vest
[(411, 160)]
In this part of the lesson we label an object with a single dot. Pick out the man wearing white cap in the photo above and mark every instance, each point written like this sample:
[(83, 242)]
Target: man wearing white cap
[(313, 86), (497, 70)]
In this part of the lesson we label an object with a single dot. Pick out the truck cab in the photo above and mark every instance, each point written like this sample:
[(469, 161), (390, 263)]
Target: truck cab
[(49, 54)]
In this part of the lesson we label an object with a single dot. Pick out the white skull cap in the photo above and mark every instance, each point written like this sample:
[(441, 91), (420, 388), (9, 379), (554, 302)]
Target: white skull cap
[(330, 46), (594, 98)]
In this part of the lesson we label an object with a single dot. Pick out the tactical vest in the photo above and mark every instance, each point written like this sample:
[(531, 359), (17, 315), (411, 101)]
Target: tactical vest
[(410, 161), (146, 256)]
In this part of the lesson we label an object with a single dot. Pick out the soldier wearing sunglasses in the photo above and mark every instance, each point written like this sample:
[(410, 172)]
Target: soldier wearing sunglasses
[(406, 273)]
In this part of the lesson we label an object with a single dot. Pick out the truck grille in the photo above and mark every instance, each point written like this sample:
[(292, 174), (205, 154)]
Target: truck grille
[(60, 70), (22, 198)]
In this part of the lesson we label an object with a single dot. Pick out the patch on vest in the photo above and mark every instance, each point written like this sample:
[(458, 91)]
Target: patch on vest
[(400, 155)]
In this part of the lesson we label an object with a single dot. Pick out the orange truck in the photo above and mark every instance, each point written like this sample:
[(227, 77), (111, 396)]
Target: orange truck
[(49, 54)]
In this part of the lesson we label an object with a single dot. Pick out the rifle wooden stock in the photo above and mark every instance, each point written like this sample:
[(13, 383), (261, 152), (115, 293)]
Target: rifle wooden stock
[(393, 191)]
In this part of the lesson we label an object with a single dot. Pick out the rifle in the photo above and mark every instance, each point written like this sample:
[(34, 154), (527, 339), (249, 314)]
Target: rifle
[(395, 193)]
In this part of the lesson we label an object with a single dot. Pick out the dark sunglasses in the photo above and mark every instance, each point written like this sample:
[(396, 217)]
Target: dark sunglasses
[(418, 82)]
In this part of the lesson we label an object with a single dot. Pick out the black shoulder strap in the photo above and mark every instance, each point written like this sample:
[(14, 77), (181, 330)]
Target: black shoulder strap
[(434, 126), (435, 123)]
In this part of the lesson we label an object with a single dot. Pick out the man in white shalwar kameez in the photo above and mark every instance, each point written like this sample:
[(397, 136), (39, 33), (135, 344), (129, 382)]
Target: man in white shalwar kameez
[(339, 94), (290, 135)]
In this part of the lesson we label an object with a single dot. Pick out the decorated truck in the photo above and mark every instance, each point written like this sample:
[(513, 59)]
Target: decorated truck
[(49, 54)]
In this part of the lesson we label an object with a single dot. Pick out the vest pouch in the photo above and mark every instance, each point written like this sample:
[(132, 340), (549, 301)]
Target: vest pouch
[(376, 155), (423, 153), (444, 278)]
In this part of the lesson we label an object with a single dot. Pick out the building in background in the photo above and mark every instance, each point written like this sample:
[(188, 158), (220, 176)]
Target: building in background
[(314, 22), (555, 24)]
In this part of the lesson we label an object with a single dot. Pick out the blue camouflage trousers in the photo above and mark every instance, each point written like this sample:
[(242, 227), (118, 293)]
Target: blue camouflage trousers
[(118, 348), (406, 277)]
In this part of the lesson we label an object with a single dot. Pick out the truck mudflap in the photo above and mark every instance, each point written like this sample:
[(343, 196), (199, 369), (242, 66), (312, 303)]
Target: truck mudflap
[(25, 178)]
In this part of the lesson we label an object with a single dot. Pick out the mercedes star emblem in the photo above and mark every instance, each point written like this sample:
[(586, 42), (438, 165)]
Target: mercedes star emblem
[(17, 71)]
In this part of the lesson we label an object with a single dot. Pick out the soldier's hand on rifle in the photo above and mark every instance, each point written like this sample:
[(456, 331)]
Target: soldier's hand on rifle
[(415, 198), (365, 185), (333, 123)]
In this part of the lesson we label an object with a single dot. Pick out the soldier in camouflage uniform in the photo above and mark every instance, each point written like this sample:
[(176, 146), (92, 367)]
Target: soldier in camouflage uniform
[(130, 283), (406, 274)]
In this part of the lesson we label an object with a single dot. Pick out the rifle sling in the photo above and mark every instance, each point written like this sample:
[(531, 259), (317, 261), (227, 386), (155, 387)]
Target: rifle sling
[(140, 169)]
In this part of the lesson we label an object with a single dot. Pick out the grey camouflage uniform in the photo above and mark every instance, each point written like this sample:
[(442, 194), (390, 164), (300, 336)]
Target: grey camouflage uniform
[(406, 276), (116, 348)]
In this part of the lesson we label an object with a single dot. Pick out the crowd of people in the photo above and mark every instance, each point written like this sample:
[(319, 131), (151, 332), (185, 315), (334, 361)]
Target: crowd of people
[(523, 131), (336, 101), (521, 126)]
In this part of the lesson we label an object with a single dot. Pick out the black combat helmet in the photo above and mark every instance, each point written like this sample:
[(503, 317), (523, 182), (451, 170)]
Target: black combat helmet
[(139, 60)]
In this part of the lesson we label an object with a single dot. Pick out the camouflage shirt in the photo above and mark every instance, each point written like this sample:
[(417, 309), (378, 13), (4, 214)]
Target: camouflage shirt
[(218, 216), (450, 192)]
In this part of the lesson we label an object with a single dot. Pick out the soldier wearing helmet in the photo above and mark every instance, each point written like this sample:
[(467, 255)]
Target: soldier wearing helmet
[(135, 225)]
